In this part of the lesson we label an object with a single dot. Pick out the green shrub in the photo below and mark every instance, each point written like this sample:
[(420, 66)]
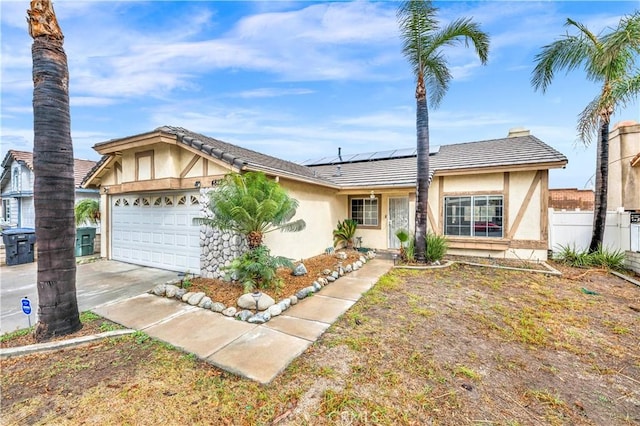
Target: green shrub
[(344, 233), (87, 211), (602, 257), (410, 250), (436, 247), (256, 269), (403, 236), (571, 256), (608, 259)]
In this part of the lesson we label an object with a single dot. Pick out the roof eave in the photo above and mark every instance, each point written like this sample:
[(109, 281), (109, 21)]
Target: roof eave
[(88, 181), (292, 176)]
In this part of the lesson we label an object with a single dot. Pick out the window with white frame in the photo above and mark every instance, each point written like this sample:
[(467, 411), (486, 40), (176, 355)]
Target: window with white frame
[(15, 180), (6, 210), (365, 210), (474, 216)]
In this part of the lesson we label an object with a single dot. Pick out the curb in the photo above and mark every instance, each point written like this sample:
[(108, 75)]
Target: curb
[(55, 346)]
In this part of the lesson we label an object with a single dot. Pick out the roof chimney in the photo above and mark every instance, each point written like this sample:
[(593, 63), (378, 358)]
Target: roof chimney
[(517, 132), (340, 153)]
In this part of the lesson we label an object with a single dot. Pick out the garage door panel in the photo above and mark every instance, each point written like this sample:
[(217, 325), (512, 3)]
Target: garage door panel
[(159, 233)]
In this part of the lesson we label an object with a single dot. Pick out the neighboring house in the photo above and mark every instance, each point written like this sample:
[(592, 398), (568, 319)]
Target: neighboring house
[(16, 188), (571, 199), (488, 197), (623, 191)]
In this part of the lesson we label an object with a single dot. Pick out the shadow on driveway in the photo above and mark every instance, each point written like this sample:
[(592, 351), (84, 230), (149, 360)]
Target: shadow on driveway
[(98, 282)]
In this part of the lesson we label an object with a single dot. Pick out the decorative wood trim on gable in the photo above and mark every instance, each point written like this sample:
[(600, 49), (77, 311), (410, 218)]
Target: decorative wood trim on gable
[(189, 166), (141, 158), (525, 205), (118, 173)]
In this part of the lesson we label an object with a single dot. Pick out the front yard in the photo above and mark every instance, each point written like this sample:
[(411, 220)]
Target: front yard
[(459, 345)]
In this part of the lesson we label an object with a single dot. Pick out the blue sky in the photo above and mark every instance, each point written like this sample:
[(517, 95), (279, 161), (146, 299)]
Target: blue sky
[(297, 80)]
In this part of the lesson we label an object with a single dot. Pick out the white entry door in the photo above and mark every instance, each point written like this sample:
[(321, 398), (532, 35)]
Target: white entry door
[(157, 230), (398, 219)]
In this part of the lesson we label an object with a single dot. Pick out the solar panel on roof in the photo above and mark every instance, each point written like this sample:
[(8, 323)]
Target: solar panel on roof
[(368, 156)]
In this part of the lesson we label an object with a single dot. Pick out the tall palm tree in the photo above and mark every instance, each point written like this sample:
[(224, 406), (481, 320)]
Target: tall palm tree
[(608, 59), (423, 41), (252, 205), (54, 183)]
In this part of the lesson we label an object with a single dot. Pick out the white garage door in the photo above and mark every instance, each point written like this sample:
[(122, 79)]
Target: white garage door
[(157, 230)]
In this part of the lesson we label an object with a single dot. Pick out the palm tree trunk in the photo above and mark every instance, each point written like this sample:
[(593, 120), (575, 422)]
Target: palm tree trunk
[(602, 172), (54, 182), (422, 191)]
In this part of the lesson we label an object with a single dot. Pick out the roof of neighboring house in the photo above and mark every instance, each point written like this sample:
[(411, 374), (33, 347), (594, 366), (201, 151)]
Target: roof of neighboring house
[(496, 153), (80, 167), (571, 199), (241, 158)]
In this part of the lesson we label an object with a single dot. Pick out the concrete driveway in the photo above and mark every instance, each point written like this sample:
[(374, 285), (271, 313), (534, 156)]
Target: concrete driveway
[(97, 283)]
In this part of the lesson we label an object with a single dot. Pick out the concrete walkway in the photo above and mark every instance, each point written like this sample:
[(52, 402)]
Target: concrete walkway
[(97, 283), (258, 352)]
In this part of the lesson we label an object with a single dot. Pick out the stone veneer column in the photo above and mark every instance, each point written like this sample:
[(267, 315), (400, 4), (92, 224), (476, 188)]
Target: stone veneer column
[(217, 248)]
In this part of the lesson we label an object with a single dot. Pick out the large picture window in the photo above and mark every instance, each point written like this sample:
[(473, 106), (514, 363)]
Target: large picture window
[(365, 211), (474, 216)]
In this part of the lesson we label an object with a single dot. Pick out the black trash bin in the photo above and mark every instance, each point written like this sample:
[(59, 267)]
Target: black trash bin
[(19, 245), (84, 241)]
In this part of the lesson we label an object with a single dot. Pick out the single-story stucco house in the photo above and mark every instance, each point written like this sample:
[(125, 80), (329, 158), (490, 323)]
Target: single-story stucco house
[(488, 197)]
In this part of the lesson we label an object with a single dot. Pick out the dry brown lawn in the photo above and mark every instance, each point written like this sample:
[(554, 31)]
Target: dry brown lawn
[(464, 345)]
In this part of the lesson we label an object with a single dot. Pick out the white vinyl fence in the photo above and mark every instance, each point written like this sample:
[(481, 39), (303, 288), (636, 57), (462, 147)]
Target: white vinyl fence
[(573, 229)]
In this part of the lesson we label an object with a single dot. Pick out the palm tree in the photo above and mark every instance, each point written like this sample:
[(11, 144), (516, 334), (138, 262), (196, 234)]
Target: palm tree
[(607, 59), (54, 183), (252, 205), (423, 41)]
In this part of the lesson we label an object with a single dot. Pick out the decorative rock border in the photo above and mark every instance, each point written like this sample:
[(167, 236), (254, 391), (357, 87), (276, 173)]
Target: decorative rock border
[(269, 307), (550, 269)]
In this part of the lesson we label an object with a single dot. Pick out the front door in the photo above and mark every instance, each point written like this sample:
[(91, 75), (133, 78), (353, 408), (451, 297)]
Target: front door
[(398, 219)]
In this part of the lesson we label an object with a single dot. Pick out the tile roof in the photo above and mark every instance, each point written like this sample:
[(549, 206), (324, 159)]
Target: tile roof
[(80, 167), (505, 152), (392, 170), (241, 157)]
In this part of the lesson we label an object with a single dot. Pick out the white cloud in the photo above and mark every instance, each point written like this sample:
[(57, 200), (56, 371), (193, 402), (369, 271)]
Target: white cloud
[(271, 92)]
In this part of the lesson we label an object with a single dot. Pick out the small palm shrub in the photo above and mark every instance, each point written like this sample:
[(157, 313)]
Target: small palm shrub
[(344, 233), (407, 246), (603, 258), (256, 269), (403, 236), (436, 247)]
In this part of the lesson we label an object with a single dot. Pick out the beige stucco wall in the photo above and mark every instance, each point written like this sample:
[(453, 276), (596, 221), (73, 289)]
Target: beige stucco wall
[(473, 184), (624, 181), (320, 209), (519, 184)]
